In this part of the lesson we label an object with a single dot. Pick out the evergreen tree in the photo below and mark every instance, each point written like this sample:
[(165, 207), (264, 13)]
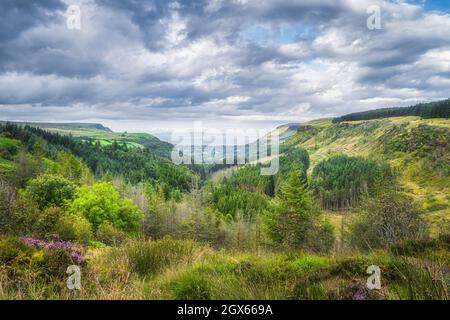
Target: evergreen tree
[(293, 219)]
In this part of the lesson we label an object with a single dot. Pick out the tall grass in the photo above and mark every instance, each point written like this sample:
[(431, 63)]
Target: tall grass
[(180, 269)]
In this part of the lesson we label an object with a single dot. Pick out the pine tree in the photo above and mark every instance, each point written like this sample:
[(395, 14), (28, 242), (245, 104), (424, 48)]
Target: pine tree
[(292, 215)]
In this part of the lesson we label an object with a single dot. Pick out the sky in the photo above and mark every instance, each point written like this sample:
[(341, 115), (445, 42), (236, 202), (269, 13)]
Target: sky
[(157, 66)]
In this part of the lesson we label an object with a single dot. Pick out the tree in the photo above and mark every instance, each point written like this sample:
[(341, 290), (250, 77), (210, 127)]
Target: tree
[(293, 219), (386, 219), (101, 203), (26, 167), (49, 191), (340, 181), (72, 168)]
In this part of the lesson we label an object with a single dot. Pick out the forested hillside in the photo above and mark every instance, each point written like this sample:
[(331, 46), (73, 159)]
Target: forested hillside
[(95, 132), (347, 195)]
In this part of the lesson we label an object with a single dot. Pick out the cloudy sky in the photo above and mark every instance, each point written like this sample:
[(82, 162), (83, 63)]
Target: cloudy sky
[(159, 65)]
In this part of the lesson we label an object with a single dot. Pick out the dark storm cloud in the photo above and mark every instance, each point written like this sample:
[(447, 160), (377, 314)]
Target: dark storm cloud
[(19, 15)]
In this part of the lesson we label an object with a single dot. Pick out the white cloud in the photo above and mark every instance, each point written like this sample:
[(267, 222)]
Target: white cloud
[(178, 62)]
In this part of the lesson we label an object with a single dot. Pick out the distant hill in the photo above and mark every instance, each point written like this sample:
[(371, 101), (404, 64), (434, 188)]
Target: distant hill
[(437, 109), (105, 136), (65, 126)]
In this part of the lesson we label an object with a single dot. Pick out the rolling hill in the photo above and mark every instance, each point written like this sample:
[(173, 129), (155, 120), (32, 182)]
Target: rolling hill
[(105, 136), (418, 149)]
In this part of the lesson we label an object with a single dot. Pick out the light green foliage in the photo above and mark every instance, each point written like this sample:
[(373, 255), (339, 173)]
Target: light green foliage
[(49, 191), (192, 287), (9, 148), (101, 203), (72, 168)]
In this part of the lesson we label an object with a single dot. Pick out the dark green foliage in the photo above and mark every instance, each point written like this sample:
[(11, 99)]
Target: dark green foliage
[(293, 159), (437, 109), (134, 164), (339, 182), (16, 216), (416, 248), (49, 191), (45, 226), (246, 191), (293, 219)]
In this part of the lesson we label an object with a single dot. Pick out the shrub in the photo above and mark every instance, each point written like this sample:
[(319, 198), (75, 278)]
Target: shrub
[(14, 252), (110, 235), (47, 221), (74, 227), (148, 257), (192, 287), (55, 256), (386, 219), (49, 191), (415, 248)]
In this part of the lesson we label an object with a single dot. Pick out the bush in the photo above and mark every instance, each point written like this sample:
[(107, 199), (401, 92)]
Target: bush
[(47, 221), (15, 253), (74, 227), (55, 256), (38, 258), (49, 191), (102, 203), (110, 235), (386, 219), (55, 262), (414, 248), (192, 287), (148, 257)]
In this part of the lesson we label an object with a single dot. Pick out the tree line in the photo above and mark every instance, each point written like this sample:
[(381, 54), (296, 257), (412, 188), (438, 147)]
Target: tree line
[(437, 109)]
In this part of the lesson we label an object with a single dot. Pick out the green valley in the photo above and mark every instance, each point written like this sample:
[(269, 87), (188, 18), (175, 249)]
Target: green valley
[(348, 195)]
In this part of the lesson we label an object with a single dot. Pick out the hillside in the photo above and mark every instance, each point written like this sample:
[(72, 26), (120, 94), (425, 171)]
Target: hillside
[(418, 149), (348, 195), (97, 132)]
